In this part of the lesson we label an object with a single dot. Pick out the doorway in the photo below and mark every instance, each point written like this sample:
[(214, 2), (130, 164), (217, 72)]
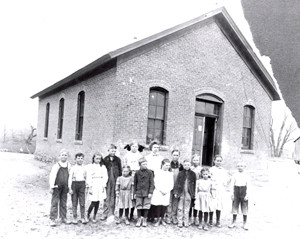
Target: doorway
[(207, 125)]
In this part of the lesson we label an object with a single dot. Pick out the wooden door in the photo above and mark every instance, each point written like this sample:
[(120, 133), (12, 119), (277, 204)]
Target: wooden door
[(199, 126)]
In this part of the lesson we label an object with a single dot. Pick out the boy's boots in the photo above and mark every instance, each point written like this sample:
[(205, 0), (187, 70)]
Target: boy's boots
[(144, 224), (158, 222), (139, 222)]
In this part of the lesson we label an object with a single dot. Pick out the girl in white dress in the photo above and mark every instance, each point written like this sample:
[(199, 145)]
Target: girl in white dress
[(164, 182), (203, 201), (96, 178), (221, 179)]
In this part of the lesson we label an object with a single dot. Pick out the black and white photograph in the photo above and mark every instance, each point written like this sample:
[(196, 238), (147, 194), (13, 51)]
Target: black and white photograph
[(150, 119)]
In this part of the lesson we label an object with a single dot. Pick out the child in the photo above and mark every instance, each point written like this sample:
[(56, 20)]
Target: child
[(58, 181), (196, 168), (124, 193), (154, 159), (97, 179), (77, 185), (171, 214), (240, 183), (220, 179), (185, 190), (114, 170), (133, 155), (164, 183), (203, 201), (143, 190), (131, 159)]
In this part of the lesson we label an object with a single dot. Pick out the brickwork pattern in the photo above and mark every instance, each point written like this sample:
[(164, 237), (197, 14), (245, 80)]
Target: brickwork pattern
[(116, 108)]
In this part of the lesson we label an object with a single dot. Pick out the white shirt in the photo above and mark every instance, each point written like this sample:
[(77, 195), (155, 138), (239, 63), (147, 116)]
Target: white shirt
[(154, 162), (77, 173), (240, 179)]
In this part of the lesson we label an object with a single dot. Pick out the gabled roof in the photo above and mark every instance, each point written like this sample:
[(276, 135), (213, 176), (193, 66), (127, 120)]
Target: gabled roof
[(220, 16)]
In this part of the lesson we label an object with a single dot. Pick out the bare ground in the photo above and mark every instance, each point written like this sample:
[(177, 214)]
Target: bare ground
[(25, 204)]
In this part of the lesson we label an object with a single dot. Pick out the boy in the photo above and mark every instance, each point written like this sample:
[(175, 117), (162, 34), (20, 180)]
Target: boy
[(77, 186), (58, 181), (184, 190), (171, 214), (114, 170), (240, 182), (143, 190)]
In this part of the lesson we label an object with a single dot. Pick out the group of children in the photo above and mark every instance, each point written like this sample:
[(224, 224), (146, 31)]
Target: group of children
[(162, 191)]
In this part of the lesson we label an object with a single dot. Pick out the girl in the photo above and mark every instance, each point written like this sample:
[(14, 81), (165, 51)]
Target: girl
[(97, 178), (133, 155), (164, 183), (131, 159), (203, 201), (196, 168), (124, 193), (220, 179)]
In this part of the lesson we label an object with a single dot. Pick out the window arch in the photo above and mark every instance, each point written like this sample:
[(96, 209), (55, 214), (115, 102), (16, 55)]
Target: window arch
[(157, 108), (47, 120), (80, 115), (248, 127), (60, 118)]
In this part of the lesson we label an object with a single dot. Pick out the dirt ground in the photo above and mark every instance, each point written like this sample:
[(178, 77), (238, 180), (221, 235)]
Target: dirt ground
[(25, 203)]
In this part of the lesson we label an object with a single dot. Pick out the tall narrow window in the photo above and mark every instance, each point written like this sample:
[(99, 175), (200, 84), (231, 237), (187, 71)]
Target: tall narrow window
[(60, 118), (47, 120), (79, 119), (157, 115), (248, 126)]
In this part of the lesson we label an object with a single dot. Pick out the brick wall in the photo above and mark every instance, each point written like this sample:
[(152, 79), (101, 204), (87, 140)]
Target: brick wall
[(116, 109)]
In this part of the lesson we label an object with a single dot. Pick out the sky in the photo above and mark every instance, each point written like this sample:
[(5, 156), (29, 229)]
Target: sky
[(45, 41)]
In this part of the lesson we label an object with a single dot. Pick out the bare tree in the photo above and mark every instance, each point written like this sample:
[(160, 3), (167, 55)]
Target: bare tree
[(30, 138), (286, 129)]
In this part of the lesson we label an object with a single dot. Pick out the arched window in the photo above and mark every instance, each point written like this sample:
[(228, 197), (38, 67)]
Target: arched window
[(47, 120), (80, 114), (60, 118), (157, 109), (248, 127)]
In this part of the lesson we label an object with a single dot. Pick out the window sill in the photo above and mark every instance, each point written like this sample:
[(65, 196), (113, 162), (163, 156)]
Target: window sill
[(58, 141), (247, 151), (45, 139), (78, 142)]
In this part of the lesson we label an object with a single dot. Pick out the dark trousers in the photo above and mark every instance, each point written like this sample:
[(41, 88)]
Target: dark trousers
[(78, 188), (110, 201), (59, 196), (158, 211)]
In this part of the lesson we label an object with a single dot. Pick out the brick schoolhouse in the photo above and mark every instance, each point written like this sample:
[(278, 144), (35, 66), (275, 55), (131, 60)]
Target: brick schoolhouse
[(197, 86)]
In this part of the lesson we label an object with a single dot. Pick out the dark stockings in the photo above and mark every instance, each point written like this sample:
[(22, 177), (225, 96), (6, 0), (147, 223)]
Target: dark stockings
[(95, 206), (121, 212)]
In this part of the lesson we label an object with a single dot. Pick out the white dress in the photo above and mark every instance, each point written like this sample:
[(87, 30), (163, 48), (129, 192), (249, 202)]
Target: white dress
[(220, 178), (163, 181), (203, 200), (132, 160), (97, 178)]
